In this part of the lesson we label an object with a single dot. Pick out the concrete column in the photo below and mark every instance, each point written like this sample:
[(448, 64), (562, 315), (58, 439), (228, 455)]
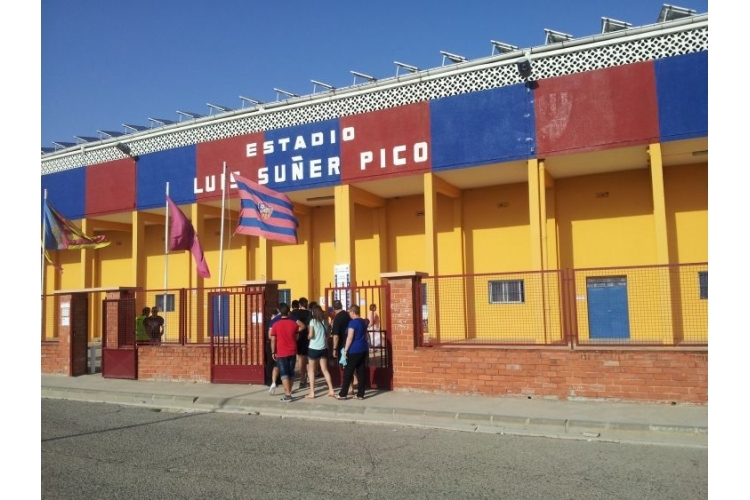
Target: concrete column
[(138, 260), (660, 211), (430, 233), (344, 237), (535, 231), (668, 278)]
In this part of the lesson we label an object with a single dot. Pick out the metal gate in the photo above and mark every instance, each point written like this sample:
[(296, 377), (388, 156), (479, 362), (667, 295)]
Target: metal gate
[(235, 326), (380, 360), (119, 351)]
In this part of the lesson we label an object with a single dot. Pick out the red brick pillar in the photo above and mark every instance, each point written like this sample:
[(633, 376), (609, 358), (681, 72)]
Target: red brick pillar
[(405, 313), (64, 357)]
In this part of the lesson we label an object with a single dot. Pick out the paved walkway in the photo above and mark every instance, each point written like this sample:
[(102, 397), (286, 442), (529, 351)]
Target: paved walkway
[(678, 425)]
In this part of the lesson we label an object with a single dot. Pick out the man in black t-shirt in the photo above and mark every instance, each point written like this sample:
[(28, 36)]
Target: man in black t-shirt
[(339, 330), (302, 315), (154, 326)]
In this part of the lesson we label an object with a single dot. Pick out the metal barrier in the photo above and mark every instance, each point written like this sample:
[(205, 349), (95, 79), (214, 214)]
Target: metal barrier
[(637, 306), (373, 299)]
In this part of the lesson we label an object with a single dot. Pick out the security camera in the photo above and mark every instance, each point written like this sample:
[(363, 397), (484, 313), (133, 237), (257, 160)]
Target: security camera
[(523, 64)]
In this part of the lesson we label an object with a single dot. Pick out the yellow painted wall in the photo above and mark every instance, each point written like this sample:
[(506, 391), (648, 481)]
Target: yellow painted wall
[(465, 311), (406, 234), (497, 238), (324, 251), (366, 244), (664, 304), (686, 197), (290, 263), (488, 230), (690, 312), (114, 262), (616, 230), (449, 227)]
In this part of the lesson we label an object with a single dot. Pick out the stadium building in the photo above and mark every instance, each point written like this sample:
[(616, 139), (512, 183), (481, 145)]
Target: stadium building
[(543, 197)]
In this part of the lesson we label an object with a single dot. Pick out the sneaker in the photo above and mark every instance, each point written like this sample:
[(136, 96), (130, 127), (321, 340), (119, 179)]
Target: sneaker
[(303, 384), (286, 399), (272, 389)]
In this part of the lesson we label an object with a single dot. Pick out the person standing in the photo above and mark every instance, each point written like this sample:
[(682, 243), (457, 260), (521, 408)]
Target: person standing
[(272, 367), (155, 326), (141, 335), (302, 315), (356, 348), (317, 351), (284, 333), (339, 328), (373, 326)]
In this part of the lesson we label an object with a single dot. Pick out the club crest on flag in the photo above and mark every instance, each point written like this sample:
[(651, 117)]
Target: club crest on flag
[(264, 211)]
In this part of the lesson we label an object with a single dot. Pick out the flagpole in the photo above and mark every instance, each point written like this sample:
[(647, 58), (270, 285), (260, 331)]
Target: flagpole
[(166, 248), (44, 238), (221, 243)]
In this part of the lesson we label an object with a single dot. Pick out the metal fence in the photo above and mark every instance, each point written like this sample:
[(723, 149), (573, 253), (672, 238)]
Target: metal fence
[(617, 306), (190, 315), (626, 306)]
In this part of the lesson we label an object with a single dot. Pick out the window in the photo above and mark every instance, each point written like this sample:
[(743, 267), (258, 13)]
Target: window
[(507, 292), (285, 295), (703, 284), (169, 306)]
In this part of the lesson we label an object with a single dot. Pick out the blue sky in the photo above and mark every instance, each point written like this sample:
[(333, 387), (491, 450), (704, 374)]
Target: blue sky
[(105, 63)]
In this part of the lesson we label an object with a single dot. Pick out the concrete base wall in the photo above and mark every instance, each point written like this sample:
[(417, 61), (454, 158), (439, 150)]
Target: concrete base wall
[(644, 376), (179, 363), (56, 358)]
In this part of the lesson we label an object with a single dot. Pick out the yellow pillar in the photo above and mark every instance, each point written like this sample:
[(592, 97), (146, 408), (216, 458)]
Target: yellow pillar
[(430, 235), (668, 279), (535, 231), (660, 211), (87, 259), (89, 278), (381, 234), (344, 237), (138, 258), (552, 260)]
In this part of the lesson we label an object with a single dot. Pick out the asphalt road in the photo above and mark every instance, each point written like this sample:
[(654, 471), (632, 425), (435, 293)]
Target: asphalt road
[(97, 450)]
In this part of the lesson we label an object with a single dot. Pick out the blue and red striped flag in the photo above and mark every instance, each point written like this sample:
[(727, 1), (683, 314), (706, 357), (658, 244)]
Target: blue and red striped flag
[(265, 213)]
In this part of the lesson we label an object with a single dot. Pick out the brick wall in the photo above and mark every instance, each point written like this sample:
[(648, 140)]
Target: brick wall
[(56, 354), (665, 375), (175, 362), (662, 376), (56, 357)]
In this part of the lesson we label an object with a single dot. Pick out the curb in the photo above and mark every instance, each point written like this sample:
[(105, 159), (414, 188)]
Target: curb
[(613, 432)]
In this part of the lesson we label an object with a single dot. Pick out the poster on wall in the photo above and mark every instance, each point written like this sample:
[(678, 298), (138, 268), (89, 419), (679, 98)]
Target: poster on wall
[(65, 314), (341, 283)]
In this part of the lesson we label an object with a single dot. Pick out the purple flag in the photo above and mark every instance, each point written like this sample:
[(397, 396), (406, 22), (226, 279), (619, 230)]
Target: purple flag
[(182, 237)]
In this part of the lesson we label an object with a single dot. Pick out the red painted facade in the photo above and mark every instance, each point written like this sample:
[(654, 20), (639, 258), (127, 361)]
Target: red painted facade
[(612, 107), (110, 187), (386, 143)]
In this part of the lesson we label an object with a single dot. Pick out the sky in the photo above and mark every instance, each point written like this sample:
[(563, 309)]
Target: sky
[(106, 63)]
